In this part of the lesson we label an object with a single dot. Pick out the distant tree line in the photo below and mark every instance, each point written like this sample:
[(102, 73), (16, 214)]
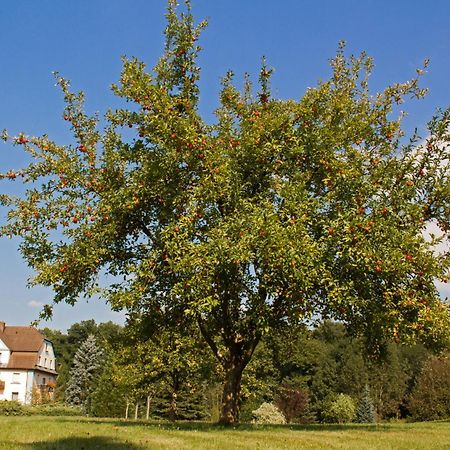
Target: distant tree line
[(308, 374)]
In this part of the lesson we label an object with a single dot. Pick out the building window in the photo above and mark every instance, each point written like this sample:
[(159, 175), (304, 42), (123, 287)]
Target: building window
[(15, 396), (43, 380), (16, 377)]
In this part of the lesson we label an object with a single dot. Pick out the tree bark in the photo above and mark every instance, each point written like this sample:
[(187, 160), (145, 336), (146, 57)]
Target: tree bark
[(229, 413), (237, 355), (173, 412), (147, 412)]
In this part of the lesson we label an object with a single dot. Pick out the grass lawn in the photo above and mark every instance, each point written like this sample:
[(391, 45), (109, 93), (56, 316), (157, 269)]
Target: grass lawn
[(79, 433)]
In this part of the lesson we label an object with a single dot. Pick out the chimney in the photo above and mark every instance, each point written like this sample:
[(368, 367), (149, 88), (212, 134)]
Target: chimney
[(2, 327)]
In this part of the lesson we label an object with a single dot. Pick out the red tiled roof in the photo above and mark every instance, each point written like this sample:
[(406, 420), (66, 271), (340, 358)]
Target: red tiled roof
[(22, 360), (22, 339)]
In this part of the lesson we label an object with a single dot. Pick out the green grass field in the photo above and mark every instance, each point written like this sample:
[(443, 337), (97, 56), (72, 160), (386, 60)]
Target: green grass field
[(63, 433)]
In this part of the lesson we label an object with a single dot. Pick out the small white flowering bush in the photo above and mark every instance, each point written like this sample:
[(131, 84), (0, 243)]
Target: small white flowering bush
[(268, 413)]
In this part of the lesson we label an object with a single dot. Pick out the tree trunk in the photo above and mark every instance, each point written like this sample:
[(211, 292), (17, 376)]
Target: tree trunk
[(147, 412), (173, 411), (229, 413), (238, 355)]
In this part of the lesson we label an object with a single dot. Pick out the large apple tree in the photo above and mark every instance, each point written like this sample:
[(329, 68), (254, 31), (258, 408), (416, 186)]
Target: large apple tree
[(282, 211)]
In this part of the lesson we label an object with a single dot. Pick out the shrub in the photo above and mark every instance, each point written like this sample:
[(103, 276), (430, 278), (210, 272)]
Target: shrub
[(55, 409), (341, 410), (293, 403), (11, 408), (268, 413), (247, 408)]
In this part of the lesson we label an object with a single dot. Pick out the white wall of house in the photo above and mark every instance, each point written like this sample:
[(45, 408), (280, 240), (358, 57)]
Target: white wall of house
[(17, 385), (4, 353), (46, 356), (42, 378)]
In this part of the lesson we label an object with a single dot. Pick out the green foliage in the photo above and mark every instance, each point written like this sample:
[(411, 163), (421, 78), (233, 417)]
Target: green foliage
[(11, 408), (341, 410), (365, 412), (268, 414), (107, 334), (260, 379), (109, 398), (326, 361), (339, 365), (53, 409), (388, 380), (14, 408), (280, 210), (321, 362), (430, 399), (185, 403), (170, 364)]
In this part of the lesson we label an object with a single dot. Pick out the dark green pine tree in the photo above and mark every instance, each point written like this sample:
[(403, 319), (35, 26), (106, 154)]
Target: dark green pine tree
[(84, 374), (366, 410), (185, 400)]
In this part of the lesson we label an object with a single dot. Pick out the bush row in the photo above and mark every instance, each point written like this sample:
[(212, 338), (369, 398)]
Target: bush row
[(13, 408)]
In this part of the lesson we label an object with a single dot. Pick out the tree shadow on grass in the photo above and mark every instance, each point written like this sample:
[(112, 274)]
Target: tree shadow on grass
[(84, 443), (214, 427)]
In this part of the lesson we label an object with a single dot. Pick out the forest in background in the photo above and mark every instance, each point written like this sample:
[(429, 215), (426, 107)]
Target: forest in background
[(310, 375)]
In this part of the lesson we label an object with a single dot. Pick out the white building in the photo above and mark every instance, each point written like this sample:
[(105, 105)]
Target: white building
[(27, 364)]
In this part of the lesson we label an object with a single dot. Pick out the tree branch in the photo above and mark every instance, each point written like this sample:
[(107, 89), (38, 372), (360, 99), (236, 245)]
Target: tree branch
[(145, 230), (209, 340)]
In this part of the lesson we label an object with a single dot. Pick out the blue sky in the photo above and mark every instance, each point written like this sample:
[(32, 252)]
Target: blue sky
[(84, 41)]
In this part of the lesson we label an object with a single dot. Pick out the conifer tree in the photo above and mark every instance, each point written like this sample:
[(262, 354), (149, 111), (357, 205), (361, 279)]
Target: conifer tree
[(366, 410), (85, 372)]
